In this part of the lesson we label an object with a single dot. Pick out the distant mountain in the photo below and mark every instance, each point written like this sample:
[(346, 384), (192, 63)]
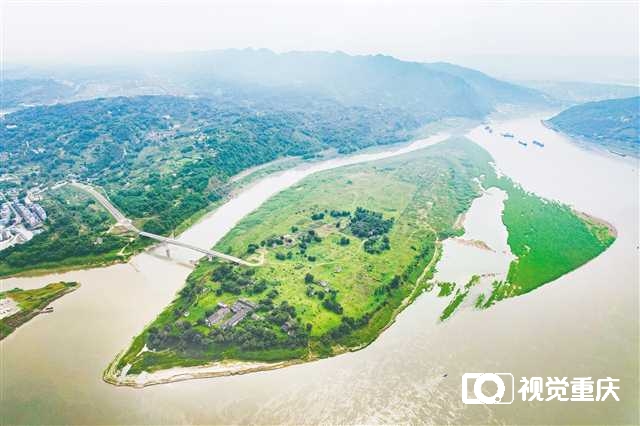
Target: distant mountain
[(370, 81), (612, 124), (493, 90), (427, 92), (572, 92), (22, 92)]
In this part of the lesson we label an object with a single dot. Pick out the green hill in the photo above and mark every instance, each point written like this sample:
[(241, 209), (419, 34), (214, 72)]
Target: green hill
[(612, 124)]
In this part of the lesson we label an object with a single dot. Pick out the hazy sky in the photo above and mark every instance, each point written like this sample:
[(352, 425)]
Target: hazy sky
[(582, 40)]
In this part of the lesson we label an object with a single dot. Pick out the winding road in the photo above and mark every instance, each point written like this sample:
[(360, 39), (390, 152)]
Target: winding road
[(125, 222)]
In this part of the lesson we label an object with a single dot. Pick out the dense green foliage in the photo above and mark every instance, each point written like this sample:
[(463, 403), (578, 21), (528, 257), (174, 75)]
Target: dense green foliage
[(163, 159), (548, 238), (32, 91), (314, 295), (31, 302), (613, 124), (371, 227)]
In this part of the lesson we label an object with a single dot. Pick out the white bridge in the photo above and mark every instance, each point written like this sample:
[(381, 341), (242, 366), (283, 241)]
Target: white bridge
[(123, 221)]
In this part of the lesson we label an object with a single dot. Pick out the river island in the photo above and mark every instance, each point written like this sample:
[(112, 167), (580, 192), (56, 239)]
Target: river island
[(338, 256)]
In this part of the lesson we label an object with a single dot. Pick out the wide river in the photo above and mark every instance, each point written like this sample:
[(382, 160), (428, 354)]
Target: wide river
[(583, 324)]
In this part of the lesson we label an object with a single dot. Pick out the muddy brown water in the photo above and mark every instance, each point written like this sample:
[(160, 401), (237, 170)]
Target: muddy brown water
[(583, 324)]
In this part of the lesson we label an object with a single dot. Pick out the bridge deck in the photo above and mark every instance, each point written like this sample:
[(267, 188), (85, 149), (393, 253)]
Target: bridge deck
[(124, 221)]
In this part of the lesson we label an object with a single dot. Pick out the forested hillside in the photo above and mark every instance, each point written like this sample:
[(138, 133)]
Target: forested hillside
[(163, 158), (33, 91), (612, 124)]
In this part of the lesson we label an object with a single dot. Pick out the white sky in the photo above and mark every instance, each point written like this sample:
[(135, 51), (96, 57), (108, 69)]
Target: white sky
[(516, 39)]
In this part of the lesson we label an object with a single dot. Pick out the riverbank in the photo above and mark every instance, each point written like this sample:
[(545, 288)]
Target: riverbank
[(30, 303), (119, 377)]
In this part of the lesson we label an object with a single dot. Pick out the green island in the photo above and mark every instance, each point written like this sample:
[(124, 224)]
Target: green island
[(19, 306), (549, 239), (342, 253)]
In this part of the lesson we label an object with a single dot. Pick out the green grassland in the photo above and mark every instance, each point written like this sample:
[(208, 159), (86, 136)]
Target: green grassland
[(334, 295), (31, 302), (549, 239)]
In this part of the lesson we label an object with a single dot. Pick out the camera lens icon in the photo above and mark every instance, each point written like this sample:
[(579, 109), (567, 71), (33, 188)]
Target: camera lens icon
[(479, 379)]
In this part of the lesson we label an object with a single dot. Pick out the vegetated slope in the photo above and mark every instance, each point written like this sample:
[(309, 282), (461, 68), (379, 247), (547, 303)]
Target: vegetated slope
[(493, 90), (426, 92), (343, 249), (33, 91), (31, 302), (612, 124), (372, 81), (162, 159)]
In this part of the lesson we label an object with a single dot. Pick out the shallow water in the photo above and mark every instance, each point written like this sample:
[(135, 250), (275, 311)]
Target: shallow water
[(460, 261), (585, 323)]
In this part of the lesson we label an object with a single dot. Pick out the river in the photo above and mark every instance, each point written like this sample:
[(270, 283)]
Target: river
[(585, 323)]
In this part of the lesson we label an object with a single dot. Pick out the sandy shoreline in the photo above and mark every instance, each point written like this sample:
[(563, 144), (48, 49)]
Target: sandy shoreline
[(178, 374)]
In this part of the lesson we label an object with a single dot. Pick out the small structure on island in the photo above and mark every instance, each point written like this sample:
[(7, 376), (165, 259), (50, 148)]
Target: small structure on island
[(289, 327), (240, 310), (217, 317)]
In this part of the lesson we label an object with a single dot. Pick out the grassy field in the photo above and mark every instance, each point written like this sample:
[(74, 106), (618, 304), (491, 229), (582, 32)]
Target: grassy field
[(31, 302), (549, 239), (330, 288)]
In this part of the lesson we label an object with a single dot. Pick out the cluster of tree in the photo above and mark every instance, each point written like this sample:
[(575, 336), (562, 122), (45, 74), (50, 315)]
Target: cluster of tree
[(347, 325), (331, 303), (307, 238), (389, 287), (282, 256), (371, 226), (274, 326), (313, 292), (235, 280), (344, 241), (376, 245), (339, 213), (272, 241), (366, 223), (317, 216)]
